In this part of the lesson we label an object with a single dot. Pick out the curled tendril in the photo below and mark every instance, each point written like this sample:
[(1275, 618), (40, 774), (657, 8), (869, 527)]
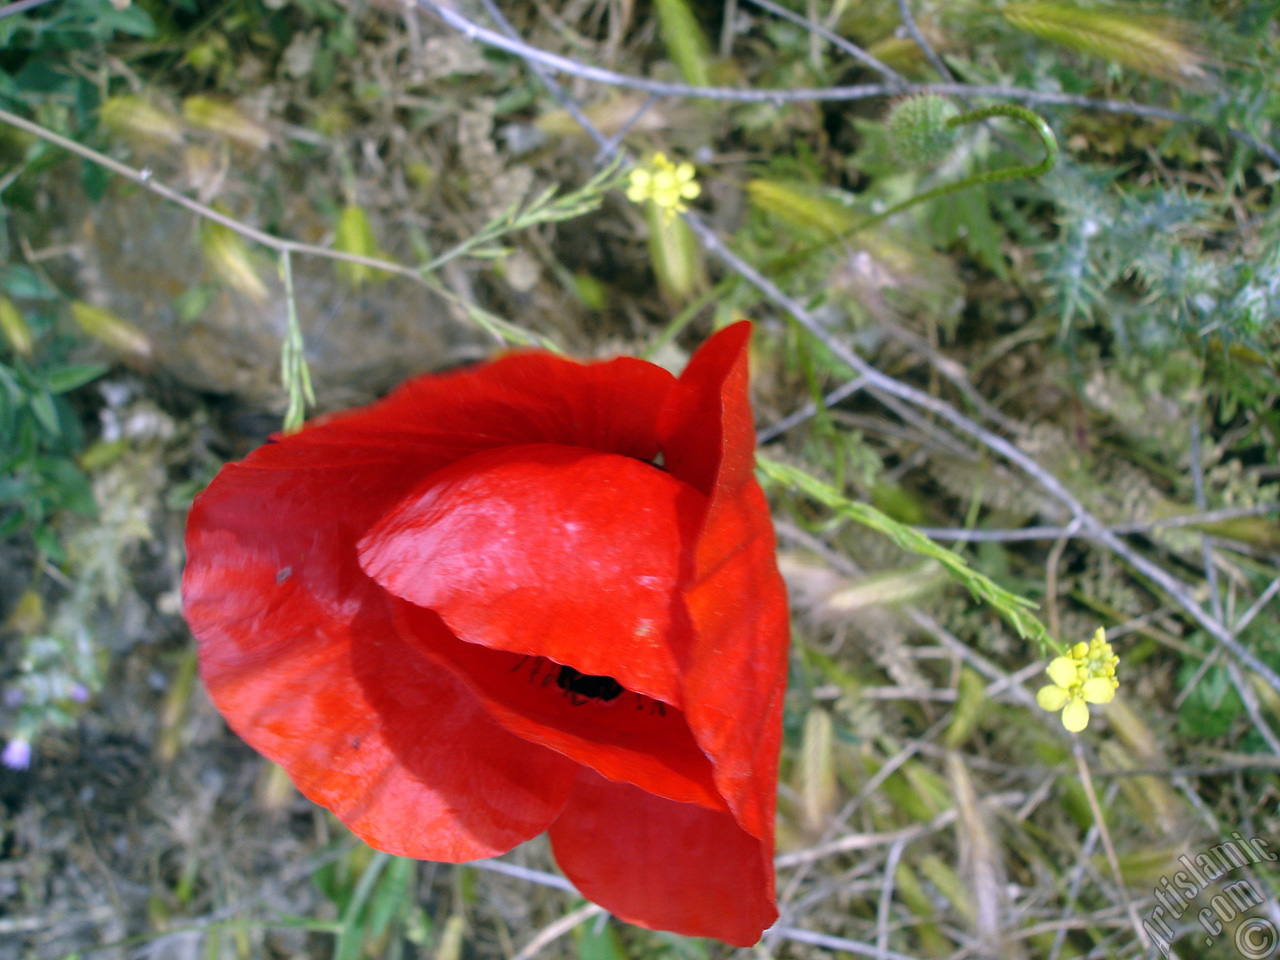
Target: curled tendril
[(1027, 171)]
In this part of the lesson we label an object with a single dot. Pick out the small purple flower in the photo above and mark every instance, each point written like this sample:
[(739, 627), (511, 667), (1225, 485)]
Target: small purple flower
[(17, 755), (79, 693)]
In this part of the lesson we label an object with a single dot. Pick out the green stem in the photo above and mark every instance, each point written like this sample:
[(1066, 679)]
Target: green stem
[(1028, 171), (687, 315), (293, 364), (1016, 610)]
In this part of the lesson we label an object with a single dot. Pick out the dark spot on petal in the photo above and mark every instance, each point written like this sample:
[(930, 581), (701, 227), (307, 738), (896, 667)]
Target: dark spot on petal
[(283, 574), (585, 685)]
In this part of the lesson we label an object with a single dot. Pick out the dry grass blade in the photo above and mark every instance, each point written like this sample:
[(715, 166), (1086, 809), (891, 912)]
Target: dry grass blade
[(981, 862), (817, 770), (449, 946), (1108, 845), (1154, 45), (555, 931)]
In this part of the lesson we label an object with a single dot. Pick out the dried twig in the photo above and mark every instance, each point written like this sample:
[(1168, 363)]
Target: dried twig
[(531, 54), (1204, 518), (554, 931), (1086, 780), (837, 41), (913, 30)]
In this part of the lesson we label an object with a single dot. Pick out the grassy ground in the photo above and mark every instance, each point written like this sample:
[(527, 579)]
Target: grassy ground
[(1068, 377)]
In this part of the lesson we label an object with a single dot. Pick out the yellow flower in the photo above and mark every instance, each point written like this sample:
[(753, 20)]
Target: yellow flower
[(666, 184), (1087, 674)]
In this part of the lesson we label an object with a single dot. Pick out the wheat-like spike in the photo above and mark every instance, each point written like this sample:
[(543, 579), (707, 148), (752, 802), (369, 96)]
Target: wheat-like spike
[(1153, 45), (817, 770)]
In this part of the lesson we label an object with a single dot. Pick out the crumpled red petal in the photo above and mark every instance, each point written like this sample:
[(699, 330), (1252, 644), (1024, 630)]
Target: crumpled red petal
[(291, 642), (433, 420), (706, 429), (550, 551), (664, 865), (631, 738), (435, 747), (299, 653), (609, 406), (735, 675)]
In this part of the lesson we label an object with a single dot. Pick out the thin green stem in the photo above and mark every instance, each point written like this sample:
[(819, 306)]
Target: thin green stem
[(351, 939), (294, 372), (547, 207), (1016, 610), (1028, 171), (687, 315)]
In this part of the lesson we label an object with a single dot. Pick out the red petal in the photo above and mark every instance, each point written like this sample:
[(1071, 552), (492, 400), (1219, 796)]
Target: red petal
[(734, 685), (301, 660), (735, 674), (708, 439), (610, 406), (550, 551), (631, 738), (664, 865), (299, 653)]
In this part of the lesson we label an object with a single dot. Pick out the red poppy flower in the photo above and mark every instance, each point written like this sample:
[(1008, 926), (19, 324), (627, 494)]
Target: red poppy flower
[(533, 595)]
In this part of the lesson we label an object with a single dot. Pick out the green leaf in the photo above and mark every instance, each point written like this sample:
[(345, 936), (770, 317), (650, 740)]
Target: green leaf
[(103, 19), (803, 205), (686, 44), (598, 940), (966, 216), (95, 179), (392, 898), (25, 283), (191, 304), (66, 486), (355, 236), (47, 542), (41, 404), (65, 379), (352, 937), (10, 384)]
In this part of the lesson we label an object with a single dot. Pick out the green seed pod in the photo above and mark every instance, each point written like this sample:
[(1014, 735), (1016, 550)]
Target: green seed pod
[(919, 131)]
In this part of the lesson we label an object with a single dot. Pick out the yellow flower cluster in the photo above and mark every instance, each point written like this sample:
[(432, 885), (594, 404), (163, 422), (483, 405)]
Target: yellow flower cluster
[(1086, 675), (667, 184)]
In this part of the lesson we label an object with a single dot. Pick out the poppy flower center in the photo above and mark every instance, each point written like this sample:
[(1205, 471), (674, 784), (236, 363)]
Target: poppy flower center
[(585, 685), (581, 688)]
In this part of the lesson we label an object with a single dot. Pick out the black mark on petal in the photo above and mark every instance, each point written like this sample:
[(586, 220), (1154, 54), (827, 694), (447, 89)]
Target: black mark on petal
[(585, 685)]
